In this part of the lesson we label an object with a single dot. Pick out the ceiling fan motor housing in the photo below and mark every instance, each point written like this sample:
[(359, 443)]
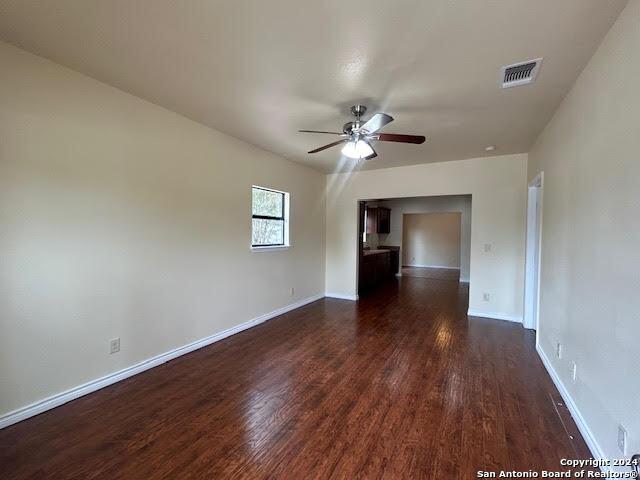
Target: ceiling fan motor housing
[(358, 110)]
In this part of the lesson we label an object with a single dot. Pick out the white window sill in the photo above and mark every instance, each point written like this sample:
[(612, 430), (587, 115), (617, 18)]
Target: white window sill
[(266, 249)]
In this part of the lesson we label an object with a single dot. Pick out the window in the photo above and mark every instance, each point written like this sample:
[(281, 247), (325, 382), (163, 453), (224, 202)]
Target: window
[(270, 218)]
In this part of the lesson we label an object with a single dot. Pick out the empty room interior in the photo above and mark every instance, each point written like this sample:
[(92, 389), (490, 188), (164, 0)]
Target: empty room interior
[(314, 240)]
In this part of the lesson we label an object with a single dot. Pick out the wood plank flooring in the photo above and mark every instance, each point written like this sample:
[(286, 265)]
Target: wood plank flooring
[(401, 384), (431, 272)]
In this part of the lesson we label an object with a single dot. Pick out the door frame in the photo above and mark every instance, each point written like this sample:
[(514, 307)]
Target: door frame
[(362, 227), (533, 254)]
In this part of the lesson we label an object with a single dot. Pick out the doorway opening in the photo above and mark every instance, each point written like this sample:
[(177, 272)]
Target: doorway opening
[(533, 253), (427, 237)]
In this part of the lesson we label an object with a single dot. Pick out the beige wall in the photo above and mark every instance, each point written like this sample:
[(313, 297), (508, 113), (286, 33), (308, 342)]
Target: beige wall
[(498, 188), (431, 239), (445, 203), (119, 218), (590, 155)]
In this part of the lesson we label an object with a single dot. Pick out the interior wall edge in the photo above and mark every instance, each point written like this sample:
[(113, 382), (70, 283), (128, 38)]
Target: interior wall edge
[(494, 315), (341, 296)]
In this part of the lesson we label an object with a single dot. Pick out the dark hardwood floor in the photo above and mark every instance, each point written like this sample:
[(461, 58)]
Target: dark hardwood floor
[(401, 384), (431, 272)]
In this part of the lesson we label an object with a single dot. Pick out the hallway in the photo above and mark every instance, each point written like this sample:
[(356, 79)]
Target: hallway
[(399, 385)]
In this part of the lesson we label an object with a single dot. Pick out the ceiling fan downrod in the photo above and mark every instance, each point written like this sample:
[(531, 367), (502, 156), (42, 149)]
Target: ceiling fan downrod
[(357, 111)]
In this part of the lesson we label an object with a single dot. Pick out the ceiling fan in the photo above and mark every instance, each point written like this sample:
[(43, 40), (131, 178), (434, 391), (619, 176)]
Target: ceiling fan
[(357, 136)]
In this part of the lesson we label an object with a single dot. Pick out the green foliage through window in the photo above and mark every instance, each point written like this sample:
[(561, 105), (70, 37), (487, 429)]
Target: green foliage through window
[(268, 223)]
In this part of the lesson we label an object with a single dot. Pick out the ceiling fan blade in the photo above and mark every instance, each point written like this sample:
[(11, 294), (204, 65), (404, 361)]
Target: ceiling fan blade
[(324, 147), (376, 122), (396, 137), (320, 131)]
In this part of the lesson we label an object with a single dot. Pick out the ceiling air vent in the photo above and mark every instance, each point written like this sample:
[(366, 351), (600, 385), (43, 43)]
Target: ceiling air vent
[(519, 73)]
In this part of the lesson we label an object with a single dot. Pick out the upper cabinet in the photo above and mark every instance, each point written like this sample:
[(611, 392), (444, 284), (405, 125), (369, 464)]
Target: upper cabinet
[(378, 220)]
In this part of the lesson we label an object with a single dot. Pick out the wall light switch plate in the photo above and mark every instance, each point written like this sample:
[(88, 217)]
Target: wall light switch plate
[(487, 247), (559, 350), (486, 297), (114, 346)]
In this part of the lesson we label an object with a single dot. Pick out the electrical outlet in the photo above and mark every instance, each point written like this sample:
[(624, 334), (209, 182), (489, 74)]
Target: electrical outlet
[(292, 291), (622, 439), (486, 297), (574, 371), (559, 350), (114, 346)]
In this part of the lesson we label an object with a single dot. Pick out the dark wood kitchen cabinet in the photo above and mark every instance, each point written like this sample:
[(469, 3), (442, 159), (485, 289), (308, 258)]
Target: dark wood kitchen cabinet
[(378, 220), (394, 256), (377, 267)]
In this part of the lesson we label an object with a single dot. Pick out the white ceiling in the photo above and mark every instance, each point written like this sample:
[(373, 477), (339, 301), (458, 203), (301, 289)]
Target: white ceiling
[(260, 70)]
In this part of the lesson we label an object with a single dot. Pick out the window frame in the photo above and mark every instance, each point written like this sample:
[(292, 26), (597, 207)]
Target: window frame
[(284, 219)]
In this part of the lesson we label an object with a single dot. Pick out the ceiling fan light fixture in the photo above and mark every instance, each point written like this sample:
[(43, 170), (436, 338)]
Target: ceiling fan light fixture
[(355, 137), (357, 150)]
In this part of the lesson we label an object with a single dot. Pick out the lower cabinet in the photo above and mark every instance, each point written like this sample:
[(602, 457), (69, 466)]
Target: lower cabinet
[(377, 268)]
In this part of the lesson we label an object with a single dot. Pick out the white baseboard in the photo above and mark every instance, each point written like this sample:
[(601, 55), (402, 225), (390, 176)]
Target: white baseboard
[(464, 280), (341, 296), (494, 315), (596, 451), (89, 387), (432, 266)]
